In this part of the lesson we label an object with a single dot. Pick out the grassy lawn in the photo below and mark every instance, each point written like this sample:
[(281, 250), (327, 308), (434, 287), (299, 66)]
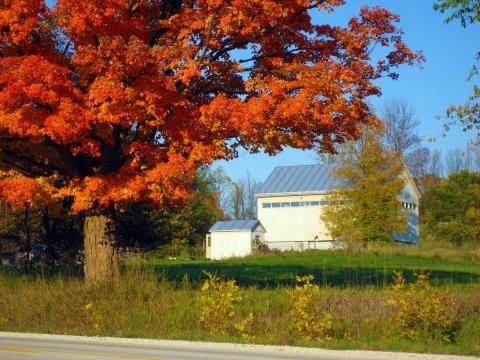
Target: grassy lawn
[(334, 268), (161, 299)]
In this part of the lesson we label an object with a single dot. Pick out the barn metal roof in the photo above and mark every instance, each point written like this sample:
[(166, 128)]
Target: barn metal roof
[(303, 179), (235, 225)]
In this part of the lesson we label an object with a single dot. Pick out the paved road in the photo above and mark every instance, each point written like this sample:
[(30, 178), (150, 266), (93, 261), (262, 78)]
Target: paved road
[(15, 346)]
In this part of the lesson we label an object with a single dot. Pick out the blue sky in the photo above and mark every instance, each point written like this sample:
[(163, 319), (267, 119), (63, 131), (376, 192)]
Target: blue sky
[(450, 52)]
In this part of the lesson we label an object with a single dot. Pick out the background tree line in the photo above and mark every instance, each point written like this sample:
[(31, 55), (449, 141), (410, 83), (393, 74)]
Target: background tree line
[(401, 135), (369, 210), (173, 231), (450, 184)]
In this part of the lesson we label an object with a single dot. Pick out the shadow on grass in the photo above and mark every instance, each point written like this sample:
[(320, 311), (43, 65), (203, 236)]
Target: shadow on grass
[(284, 275), (38, 271), (266, 274)]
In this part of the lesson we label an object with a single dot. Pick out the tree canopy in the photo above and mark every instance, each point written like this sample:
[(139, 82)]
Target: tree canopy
[(451, 210), (367, 209), (108, 102), (468, 12)]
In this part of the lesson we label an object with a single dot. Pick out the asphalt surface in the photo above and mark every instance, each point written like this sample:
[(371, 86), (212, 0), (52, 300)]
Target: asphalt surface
[(14, 346)]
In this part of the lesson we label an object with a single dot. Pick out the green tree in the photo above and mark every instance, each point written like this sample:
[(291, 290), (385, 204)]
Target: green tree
[(26, 226), (180, 227), (367, 207), (451, 211), (467, 12)]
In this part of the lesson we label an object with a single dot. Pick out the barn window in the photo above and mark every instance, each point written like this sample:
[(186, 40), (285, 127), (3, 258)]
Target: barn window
[(209, 241), (314, 203), (276, 205), (324, 202), (295, 204), (304, 203), (409, 206), (266, 205), (285, 204)]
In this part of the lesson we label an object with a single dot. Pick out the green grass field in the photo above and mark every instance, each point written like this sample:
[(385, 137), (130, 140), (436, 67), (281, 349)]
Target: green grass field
[(160, 298), (334, 268)]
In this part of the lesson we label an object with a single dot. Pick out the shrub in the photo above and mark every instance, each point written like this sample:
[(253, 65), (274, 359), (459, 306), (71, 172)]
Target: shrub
[(450, 210), (246, 327), (217, 301), (304, 315), (420, 310), (94, 318)]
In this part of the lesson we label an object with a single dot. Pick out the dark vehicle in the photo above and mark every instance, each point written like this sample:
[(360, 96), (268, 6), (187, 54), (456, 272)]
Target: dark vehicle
[(21, 255), (38, 254)]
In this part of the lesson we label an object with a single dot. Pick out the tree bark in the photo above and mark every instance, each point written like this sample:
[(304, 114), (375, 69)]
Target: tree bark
[(101, 253)]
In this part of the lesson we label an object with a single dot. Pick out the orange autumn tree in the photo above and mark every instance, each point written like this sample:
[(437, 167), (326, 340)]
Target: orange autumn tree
[(108, 102)]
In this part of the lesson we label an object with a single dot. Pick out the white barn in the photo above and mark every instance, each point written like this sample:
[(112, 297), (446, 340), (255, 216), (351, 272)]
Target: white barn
[(233, 238), (289, 208), (290, 203)]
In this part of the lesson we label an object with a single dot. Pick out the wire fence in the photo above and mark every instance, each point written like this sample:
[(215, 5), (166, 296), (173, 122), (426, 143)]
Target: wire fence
[(300, 245)]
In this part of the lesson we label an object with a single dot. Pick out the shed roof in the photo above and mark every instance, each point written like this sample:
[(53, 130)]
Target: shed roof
[(236, 225), (301, 179)]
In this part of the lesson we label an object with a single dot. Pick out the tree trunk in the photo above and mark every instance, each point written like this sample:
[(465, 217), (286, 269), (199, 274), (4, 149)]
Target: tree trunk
[(101, 254), (26, 223)]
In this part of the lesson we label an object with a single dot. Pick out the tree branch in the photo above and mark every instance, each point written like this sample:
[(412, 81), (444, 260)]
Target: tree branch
[(27, 165), (207, 39), (267, 56), (216, 55), (170, 7)]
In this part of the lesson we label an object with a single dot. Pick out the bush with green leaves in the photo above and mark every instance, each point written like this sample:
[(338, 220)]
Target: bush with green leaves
[(420, 310), (218, 300), (451, 211), (306, 320)]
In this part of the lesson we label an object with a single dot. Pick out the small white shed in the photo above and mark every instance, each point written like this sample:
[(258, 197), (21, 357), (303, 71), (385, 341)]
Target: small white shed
[(228, 239)]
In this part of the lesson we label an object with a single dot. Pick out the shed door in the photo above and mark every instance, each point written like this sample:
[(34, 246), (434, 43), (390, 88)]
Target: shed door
[(208, 247), (255, 244)]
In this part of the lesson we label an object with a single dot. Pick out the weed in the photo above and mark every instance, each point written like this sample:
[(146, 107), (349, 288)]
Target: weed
[(246, 327), (217, 301), (421, 311), (93, 317), (304, 315)]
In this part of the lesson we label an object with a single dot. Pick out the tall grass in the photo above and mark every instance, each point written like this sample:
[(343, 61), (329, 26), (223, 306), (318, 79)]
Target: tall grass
[(142, 303)]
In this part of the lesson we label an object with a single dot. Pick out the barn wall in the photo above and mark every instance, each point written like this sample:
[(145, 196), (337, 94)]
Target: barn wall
[(410, 195), (293, 228), (226, 244)]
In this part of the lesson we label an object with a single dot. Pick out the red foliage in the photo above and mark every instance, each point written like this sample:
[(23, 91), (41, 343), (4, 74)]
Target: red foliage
[(114, 101)]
